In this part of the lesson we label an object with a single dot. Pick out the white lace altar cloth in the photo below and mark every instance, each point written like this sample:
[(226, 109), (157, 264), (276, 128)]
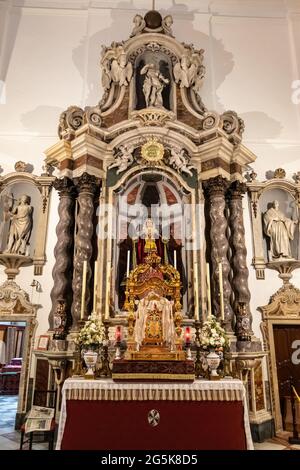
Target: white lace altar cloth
[(199, 390)]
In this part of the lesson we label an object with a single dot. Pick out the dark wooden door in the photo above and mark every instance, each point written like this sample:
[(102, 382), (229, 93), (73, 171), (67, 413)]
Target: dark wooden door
[(287, 350)]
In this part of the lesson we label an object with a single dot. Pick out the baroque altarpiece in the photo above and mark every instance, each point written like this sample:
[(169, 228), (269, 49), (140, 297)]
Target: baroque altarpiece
[(150, 157)]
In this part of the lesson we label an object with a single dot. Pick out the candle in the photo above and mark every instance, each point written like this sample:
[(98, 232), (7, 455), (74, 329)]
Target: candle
[(187, 335), (208, 289), (108, 290), (118, 334), (196, 286), (95, 286), (83, 288), (128, 263), (175, 259), (221, 291)]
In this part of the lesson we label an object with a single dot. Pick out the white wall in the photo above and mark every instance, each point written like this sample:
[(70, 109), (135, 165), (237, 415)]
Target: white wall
[(50, 59)]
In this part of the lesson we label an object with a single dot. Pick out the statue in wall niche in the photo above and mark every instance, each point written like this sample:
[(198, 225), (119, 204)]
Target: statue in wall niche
[(179, 162), (280, 229), (153, 85), (20, 226), (123, 160)]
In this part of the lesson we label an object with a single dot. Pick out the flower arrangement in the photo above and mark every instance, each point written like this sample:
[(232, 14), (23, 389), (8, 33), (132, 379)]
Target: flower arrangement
[(92, 334), (212, 335)]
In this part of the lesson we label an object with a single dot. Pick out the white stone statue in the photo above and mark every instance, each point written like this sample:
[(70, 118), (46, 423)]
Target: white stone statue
[(280, 229), (148, 304), (20, 226), (123, 159), (153, 86), (115, 67), (139, 25), (180, 162), (189, 71), (167, 23)]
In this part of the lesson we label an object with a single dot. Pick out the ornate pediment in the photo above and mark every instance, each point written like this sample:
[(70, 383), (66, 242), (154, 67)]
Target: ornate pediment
[(284, 303), (14, 300)]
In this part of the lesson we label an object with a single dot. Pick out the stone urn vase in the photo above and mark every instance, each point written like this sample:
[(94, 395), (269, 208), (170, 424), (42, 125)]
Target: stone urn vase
[(90, 358), (213, 362)]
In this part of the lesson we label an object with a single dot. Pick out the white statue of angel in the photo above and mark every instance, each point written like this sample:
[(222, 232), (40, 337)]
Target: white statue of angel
[(123, 160), (139, 25), (188, 69), (115, 67), (180, 162)]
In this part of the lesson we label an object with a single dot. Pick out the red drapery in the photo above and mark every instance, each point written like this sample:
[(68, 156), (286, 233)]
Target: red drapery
[(184, 425)]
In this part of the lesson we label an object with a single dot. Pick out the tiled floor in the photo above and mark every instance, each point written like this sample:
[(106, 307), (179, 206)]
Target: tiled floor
[(9, 438), (280, 442)]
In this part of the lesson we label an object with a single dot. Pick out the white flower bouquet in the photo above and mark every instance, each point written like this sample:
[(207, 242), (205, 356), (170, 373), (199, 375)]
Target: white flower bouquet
[(212, 335), (92, 334)]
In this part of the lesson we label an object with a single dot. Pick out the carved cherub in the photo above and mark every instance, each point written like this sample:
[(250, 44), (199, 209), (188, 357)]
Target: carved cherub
[(180, 162), (123, 160), (139, 25)]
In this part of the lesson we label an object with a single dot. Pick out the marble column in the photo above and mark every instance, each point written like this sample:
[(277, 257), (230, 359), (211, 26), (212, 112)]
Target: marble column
[(239, 262), (215, 189), (63, 251), (87, 187)]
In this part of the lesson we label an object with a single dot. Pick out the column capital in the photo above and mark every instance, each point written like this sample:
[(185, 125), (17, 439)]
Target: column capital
[(216, 186), (87, 183), (236, 190), (64, 186)]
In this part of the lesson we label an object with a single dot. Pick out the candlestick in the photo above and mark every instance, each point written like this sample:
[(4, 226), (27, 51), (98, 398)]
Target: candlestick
[(175, 259), (128, 262), (221, 291), (208, 289), (95, 286), (83, 289)]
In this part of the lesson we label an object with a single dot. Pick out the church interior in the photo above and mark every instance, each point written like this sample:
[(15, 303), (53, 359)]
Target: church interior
[(149, 225)]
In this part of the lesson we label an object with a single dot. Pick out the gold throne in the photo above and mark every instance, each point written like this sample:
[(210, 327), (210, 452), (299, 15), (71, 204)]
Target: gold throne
[(153, 303)]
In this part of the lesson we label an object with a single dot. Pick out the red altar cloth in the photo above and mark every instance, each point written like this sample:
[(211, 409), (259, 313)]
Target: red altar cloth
[(104, 415), (111, 425)]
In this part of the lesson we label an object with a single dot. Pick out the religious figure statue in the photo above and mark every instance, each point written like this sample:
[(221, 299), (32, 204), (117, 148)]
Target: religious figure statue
[(180, 162), (150, 233), (115, 67), (154, 321), (189, 71), (280, 229), (139, 25), (123, 160), (20, 226), (153, 86)]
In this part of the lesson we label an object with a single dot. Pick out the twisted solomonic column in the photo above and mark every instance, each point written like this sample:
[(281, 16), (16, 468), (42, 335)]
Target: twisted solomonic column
[(215, 189), (63, 251), (239, 262), (87, 187)]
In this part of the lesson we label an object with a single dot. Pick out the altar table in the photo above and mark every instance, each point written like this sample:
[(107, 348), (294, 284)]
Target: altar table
[(104, 415)]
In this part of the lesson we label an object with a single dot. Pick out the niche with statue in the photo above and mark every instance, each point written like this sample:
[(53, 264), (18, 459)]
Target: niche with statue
[(24, 206), (275, 224)]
